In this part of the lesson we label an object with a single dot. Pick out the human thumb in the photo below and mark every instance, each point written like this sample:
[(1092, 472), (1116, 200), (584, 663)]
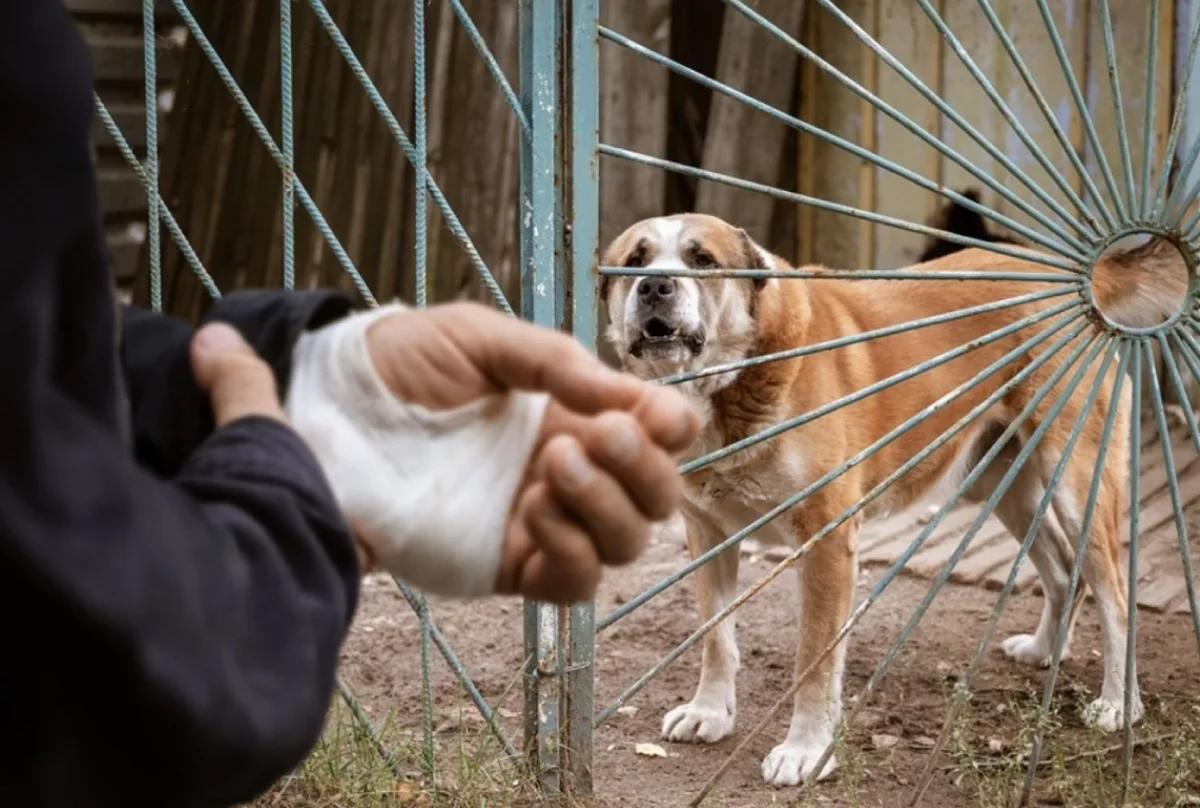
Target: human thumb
[(237, 381)]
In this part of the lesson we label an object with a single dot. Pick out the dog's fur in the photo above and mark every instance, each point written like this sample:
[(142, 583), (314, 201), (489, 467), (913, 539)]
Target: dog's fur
[(661, 326)]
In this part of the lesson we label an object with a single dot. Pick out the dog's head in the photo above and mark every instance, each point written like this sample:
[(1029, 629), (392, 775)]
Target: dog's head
[(662, 324)]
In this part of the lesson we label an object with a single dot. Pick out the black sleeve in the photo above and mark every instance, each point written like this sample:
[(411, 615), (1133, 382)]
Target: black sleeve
[(166, 642), (170, 415)]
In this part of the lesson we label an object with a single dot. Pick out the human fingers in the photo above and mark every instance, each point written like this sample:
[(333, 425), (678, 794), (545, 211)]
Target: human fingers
[(616, 443), (561, 564), (617, 518), (664, 416), (516, 355), (238, 382)]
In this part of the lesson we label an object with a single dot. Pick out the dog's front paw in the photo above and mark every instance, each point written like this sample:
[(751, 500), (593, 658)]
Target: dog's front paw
[(1109, 716), (1028, 649), (698, 722), (792, 762)]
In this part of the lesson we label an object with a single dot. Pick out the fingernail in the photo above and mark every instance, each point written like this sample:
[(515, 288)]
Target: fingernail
[(576, 470), (218, 337), (623, 442)]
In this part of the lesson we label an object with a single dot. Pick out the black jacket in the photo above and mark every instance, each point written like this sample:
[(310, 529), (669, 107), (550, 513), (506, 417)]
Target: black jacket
[(172, 600)]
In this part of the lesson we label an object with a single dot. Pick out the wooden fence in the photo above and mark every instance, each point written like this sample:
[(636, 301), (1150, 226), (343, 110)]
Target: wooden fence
[(225, 190)]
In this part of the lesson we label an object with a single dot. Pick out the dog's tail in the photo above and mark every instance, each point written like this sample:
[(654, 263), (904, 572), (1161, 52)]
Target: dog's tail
[(1141, 286)]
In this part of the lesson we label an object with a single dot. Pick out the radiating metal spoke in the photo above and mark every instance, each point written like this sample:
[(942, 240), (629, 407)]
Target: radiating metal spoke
[(1160, 213), (1151, 99), (1063, 139), (1066, 245), (1064, 622), (733, 540), (869, 497), (963, 687), (882, 384), (177, 235), (834, 207), (961, 122), (1087, 226), (854, 339), (453, 224), (1081, 105), (1114, 81), (1095, 343)]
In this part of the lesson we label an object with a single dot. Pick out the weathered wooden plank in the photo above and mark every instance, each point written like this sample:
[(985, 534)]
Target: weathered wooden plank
[(1161, 511), (125, 247), (1033, 43), (695, 35), (998, 577), (908, 35), (962, 93), (997, 551), (1160, 594), (929, 560), (482, 172), (633, 114), (754, 60), (118, 8), (120, 191), (119, 57), (828, 172), (1130, 23)]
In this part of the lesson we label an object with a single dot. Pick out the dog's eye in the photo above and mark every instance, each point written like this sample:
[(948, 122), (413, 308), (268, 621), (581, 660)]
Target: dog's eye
[(705, 261), (634, 260)]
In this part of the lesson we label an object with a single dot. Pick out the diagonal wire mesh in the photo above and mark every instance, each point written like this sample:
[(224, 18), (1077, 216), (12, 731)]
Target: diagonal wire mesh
[(1087, 378), (537, 80)]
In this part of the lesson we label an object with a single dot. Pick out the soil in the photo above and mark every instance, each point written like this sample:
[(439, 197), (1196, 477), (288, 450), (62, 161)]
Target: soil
[(887, 748)]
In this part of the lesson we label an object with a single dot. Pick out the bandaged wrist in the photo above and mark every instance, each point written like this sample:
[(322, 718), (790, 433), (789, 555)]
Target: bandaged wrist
[(429, 492)]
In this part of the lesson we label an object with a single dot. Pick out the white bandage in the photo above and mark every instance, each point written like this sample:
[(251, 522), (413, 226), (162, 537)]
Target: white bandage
[(430, 491)]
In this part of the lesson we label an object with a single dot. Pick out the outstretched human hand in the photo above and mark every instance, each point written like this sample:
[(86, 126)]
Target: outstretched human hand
[(601, 471)]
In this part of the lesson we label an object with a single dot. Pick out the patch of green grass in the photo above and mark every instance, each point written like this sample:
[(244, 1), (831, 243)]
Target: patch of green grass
[(1079, 766), (348, 769)]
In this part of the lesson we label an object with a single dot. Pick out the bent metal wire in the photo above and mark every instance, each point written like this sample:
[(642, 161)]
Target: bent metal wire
[(556, 105), (539, 43)]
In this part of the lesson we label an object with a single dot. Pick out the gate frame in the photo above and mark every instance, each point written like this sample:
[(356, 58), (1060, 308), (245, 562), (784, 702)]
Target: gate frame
[(560, 173)]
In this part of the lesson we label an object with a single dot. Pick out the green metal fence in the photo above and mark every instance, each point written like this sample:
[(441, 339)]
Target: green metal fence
[(543, 297), (557, 103)]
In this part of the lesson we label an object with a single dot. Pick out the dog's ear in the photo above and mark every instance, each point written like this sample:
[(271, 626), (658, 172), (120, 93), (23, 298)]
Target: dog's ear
[(751, 256), (602, 288)]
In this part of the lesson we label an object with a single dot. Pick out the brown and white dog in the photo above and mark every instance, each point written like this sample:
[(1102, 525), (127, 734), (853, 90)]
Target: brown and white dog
[(664, 325)]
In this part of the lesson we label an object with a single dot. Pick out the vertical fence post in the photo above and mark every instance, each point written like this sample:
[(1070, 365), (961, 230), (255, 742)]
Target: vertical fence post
[(153, 198), (541, 293), (582, 120)]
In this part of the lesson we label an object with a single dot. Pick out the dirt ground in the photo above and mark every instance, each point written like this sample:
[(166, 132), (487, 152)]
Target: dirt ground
[(887, 748)]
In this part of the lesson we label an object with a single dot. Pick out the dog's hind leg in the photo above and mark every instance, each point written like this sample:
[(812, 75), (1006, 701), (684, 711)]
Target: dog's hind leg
[(1050, 552), (711, 714), (1053, 551)]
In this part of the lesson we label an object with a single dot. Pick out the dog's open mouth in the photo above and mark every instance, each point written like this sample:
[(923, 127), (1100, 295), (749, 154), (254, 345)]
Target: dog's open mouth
[(657, 329), (658, 335)]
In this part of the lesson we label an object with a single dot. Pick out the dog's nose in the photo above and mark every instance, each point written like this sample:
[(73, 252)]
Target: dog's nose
[(654, 290)]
